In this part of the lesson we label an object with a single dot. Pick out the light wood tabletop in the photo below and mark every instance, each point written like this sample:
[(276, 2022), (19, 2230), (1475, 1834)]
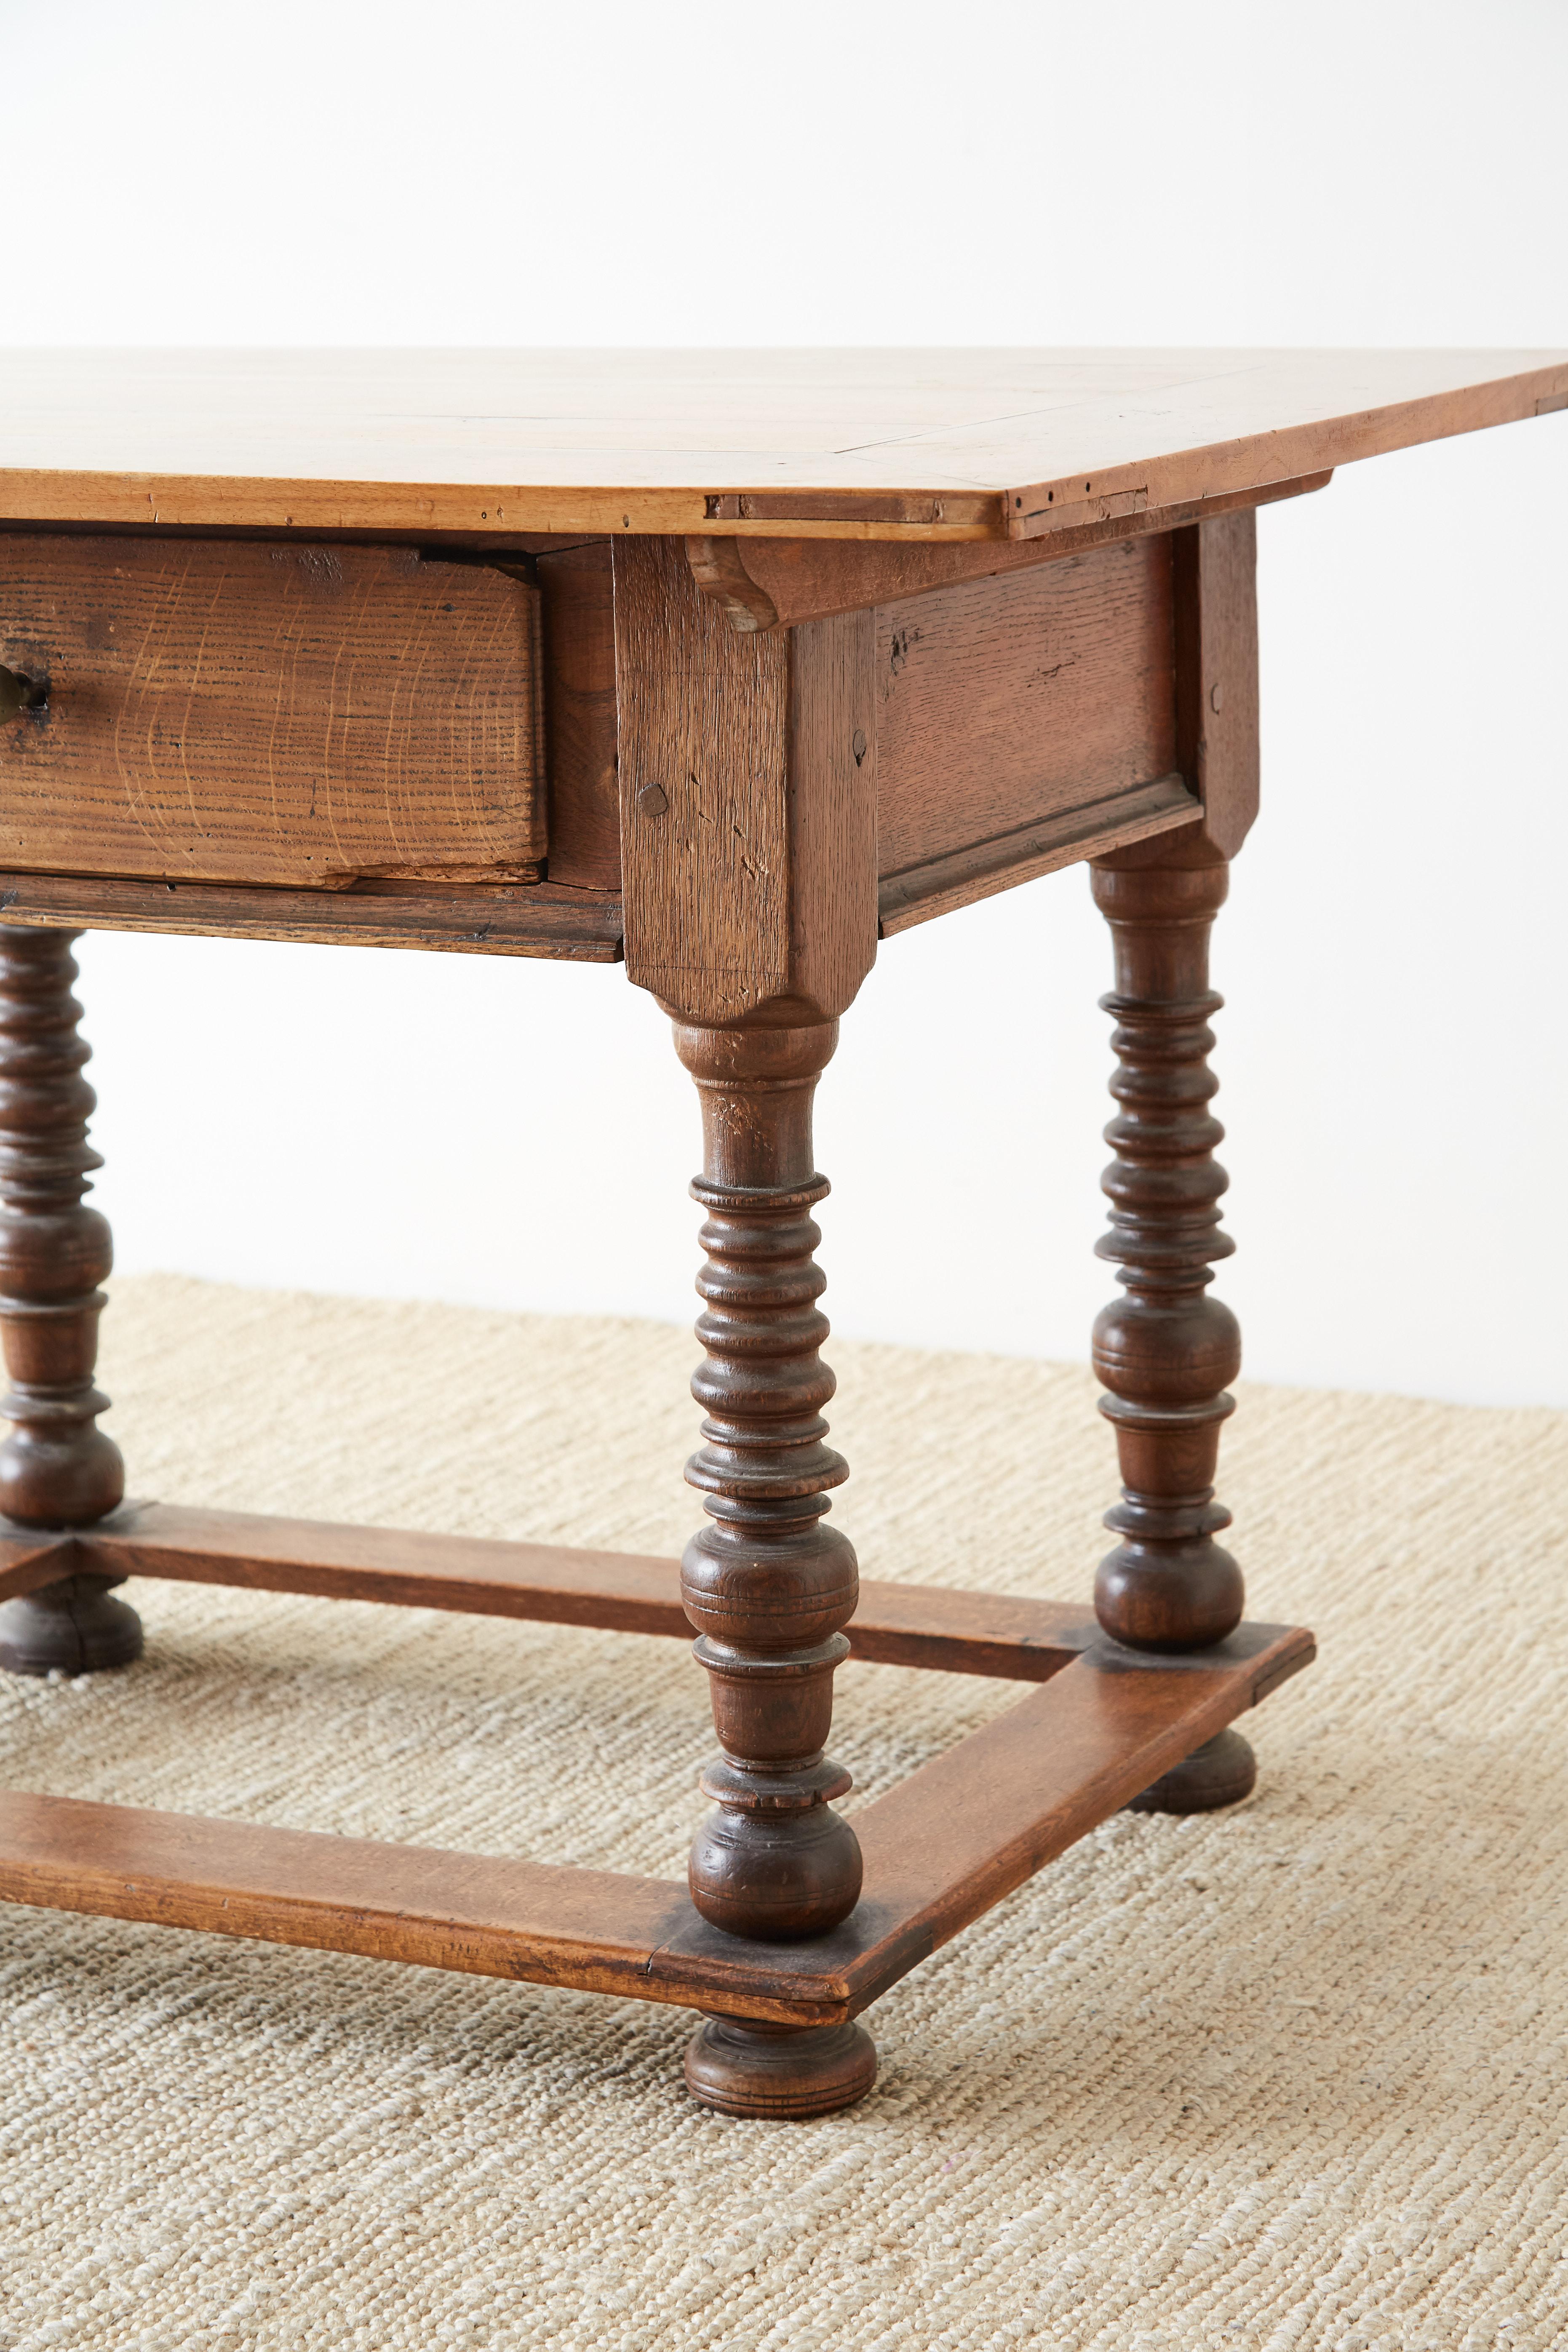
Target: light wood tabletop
[(978, 443)]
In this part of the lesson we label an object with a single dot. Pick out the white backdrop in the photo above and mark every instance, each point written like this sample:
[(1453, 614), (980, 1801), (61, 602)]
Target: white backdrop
[(520, 1134)]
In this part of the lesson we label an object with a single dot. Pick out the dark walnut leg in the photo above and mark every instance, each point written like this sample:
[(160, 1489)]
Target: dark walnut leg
[(57, 1468), (767, 1586), (1168, 1351)]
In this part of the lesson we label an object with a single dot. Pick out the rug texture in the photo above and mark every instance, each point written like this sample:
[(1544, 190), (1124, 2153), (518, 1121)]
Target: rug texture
[(1287, 2077)]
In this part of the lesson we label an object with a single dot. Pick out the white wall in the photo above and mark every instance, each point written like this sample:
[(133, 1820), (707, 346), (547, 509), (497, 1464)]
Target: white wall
[(520, 1133)]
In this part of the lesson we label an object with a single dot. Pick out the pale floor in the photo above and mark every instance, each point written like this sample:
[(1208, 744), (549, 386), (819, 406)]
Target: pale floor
[(1289, 2077)]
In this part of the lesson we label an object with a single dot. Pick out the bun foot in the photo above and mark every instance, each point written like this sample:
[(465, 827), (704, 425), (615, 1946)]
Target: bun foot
[(1221, 1772), (780, 2072), (75, 1625)]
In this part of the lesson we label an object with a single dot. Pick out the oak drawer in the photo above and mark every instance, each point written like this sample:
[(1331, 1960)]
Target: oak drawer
[(245, 711)]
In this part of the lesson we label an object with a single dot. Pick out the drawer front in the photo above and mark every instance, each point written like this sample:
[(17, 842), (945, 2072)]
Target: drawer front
[(243, 712)]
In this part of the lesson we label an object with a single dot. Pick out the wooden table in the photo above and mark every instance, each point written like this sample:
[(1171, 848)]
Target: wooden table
[(727, 666)]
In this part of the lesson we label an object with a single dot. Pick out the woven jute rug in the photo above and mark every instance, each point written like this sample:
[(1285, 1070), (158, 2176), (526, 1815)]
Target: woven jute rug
[(1290, 2076)]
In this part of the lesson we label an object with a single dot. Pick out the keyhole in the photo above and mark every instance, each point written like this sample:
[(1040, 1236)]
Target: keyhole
[(22, 689)]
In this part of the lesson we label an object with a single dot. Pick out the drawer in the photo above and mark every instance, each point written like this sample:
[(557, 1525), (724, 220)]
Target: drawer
[(294, 715)]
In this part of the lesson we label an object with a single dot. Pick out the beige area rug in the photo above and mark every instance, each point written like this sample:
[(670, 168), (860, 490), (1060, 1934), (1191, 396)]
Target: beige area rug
[(1289, 2077)]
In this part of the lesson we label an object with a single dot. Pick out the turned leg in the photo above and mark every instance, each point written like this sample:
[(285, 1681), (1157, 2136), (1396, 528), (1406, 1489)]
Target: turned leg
[(768, 1586), (1168, 1351), (57, 1468)]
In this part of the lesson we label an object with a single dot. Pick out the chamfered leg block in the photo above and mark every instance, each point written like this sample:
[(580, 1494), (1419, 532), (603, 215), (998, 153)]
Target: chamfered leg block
[(1167, 1351), (58, 1469)]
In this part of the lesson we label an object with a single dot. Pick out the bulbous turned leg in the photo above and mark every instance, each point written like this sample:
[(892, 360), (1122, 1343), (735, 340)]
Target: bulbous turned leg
[(767, 1586), (58, 1469), (1167, 1351), (782, 2073)]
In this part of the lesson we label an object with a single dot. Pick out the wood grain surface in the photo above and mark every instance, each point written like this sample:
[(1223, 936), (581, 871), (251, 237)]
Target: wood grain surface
[(579, 638), (27, 1560), (766, 583), (1011, 1636), (1000, 702), (846, 444), (962, 1832), (940, 1850), (830, 802), (1093, 829), (1215, 568), (563, 925), (1188, 659), (748, 813), (283, 715), (478, 1914)]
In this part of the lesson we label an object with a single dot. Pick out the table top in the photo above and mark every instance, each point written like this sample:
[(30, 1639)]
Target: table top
[(961, 444)]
